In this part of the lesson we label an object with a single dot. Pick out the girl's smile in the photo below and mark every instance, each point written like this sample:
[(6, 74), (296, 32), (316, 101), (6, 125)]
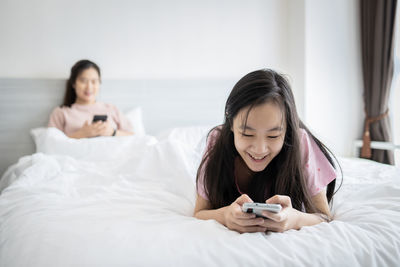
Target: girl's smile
[(257, 158)]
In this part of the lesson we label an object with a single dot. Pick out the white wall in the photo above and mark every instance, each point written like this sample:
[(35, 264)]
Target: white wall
[(314, 41), (296, 52), (142, 39), (333, 74)]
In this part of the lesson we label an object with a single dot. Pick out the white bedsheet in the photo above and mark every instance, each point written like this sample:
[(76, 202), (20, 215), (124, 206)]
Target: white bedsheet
[(136, 210)]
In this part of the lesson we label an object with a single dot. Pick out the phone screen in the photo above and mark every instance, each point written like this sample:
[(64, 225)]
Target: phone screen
[(99, 118)]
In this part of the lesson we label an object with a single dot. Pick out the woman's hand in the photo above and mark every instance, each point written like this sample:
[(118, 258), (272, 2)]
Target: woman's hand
[(236, 219), (105, 128), (97, 128), (286, 219)]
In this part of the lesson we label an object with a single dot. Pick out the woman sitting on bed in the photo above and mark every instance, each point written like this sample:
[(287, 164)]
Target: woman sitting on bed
[(81, 116), (264, 153)]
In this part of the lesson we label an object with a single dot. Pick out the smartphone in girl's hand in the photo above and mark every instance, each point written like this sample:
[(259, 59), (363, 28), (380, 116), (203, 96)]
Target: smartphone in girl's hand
[(258, 208)]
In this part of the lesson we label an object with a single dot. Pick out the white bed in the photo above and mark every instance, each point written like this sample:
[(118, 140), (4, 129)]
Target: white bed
[(128, 201)]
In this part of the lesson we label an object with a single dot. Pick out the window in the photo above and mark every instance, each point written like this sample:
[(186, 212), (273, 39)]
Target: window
[(394, 104)]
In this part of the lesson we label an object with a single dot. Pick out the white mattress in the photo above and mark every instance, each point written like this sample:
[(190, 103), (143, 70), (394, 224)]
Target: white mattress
[(129, 202)]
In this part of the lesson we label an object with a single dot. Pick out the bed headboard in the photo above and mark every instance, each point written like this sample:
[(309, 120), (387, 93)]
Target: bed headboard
[(27, 103)]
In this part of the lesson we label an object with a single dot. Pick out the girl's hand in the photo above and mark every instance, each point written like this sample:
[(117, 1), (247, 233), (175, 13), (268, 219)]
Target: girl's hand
[(286, 219), (236, 219)]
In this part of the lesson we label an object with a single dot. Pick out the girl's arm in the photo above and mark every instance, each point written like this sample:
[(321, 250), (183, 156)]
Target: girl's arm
[(231, 216), (203, 211), (321, 203)]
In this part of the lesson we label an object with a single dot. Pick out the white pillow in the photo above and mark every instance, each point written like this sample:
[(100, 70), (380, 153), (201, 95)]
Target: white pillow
[(54, 142), (135, 118), (193, 136)]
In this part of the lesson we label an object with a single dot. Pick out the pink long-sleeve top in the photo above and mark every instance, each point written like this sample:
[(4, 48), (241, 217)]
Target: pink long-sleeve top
[(71, 119)]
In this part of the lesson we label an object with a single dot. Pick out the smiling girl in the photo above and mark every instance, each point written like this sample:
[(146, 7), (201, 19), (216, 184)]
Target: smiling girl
[(264, 153), (75, 116)]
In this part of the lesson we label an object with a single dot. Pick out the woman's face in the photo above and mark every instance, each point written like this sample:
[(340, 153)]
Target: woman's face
[(87, 86), (261, 139)]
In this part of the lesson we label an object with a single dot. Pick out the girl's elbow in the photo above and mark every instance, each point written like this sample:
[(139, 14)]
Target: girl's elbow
[(197, 214)]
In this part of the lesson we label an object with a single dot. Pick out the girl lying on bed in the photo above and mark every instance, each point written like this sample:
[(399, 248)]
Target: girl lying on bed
[(264, 153), (81, 116)]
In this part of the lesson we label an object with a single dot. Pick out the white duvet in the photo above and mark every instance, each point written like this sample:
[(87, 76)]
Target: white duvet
[(130, 202)]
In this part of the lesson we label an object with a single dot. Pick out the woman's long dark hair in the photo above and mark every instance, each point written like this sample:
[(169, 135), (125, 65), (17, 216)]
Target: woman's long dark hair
[(76, 70), (284, 175)]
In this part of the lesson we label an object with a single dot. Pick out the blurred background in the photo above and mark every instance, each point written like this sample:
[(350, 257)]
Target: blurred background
[(316, 43)]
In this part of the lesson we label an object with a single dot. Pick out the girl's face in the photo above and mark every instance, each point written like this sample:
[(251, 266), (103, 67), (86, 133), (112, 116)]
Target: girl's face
[(262, 138), (87, 86)]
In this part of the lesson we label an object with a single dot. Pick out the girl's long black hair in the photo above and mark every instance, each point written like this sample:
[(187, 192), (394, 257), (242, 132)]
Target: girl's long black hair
[(76, 70), (284, 175)]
